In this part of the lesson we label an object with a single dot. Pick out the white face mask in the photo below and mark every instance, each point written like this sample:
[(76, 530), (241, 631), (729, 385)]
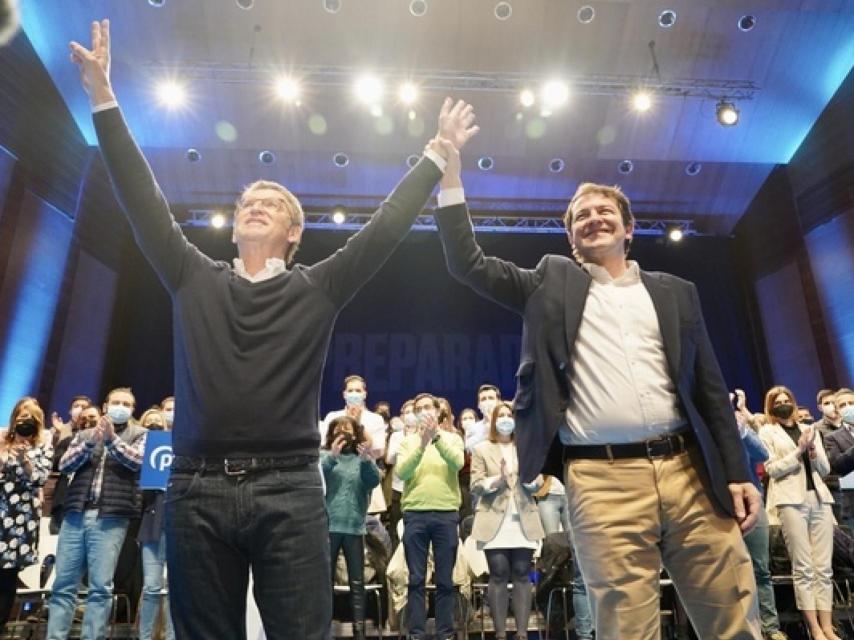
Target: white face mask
[(354, 398), (396, 424), (75, 412), (505, 425), (487, 407), (828, 410), (168, 416), (468, 423)]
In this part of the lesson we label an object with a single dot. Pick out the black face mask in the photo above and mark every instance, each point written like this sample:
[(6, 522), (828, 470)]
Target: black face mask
[(783, 411), (27, 428), (808, 420), (155, 427)]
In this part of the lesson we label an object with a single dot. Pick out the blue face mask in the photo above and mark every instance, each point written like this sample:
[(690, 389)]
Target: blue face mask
[(118, 413), (168, 416), (354, 399), (505, 425), (847, 414)]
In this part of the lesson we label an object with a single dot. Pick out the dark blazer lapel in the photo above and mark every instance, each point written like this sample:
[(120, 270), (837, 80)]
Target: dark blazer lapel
[(667, 310), (575, 297)]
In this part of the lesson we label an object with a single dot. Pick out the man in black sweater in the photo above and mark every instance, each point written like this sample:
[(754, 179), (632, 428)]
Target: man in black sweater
[(250, 344)]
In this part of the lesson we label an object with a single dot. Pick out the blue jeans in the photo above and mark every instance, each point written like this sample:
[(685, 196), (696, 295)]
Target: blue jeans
[(85, 541), (757, 546), (420, 528), (554, 514), (153, 563), (272, 521)]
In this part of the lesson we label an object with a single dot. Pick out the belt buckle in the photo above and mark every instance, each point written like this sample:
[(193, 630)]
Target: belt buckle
[(652, 456), (234, 472)]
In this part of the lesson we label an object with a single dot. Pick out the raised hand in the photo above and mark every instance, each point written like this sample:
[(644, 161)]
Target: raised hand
[(456, 123), (337, 445), (94, 63), (365, 451), (56, 421)]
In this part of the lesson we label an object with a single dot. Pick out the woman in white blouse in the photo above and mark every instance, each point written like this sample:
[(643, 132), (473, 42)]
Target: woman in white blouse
[(506, 523), (799, 500)]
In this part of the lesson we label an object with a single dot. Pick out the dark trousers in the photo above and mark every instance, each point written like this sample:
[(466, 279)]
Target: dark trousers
[(354, 557), (506, 565), (394, 517), (420, 529), (8, 587), (220, 526)]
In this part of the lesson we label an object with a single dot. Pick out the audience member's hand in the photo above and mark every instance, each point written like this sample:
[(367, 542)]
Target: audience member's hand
[(456, 123), (337, 445), (805, 442), (740, 400), (365, 451), (746, 502), (429, 430), (56, 421), (94, 64)]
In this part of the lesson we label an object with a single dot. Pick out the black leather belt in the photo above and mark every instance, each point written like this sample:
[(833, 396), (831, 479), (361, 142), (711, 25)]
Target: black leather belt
[(662, 447), (239, 466)]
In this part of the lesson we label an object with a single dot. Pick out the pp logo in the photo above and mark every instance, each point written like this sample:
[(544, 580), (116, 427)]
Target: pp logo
[(161, 458)]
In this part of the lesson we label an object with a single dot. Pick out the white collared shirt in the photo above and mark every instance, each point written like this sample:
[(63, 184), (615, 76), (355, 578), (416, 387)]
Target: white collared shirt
[(272, 268), (621, 390)]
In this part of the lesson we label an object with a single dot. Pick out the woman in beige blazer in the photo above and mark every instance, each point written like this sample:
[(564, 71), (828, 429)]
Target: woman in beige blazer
[(506, 523), (799, 500)]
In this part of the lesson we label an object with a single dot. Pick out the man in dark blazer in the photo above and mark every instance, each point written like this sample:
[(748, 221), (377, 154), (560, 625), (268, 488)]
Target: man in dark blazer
[(839, 444), (619, 383)]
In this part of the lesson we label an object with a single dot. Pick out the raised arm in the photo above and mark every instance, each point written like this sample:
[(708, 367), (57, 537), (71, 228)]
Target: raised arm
[(346, 270), (493, 278), (156, 232)]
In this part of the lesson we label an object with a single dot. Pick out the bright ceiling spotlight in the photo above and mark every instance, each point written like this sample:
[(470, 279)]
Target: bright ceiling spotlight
[(418, 8), (217, 221), (555, 94), (339, 215), (642, 101), (503, 10), (171, 94), (408, 93), (376, 110), (369, 89), (667, 18), (412, 114), (726, 113), (527, 98), (288, 89), (675, 233), (586, 14)]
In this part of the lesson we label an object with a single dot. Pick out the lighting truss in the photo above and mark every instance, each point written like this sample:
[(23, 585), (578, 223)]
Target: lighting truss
[(536, 224), (455, 81)]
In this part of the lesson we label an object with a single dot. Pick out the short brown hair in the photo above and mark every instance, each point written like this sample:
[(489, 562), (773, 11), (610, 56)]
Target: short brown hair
[(615, 193), (293, 205), (489, 387), (493, 432), (433, 398), (126, 390), (352, 377)]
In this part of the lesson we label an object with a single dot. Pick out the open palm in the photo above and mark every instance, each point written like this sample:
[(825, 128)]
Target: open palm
[(456, 122), (94, 63)]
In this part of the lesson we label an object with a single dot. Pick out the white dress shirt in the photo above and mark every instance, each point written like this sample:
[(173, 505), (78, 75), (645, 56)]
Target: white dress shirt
[(620, 387)]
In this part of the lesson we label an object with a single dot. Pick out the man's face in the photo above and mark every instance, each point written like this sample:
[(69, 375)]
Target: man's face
[(804, 415), (89, 417), (355, 393), (829, 409), (168, 405), (597, 229), (486, 402), (844, 401), (263, 216), (424, 408), (122, 398), (78, 405)]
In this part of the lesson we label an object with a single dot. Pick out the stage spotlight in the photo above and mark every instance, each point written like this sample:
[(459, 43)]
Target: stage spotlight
[(642, 101), (340, 160), (412, 160), (418, 8), (485, 163), (527, 98), (693, 168), (369, 89), (412, 114), (376, 110), (217, 221), (586, 14), (266, 157), (157, 3), (555, 94), (408, 93), (171, 94), (746, 23), (675, 234), (193, 155), (626, 167), (331, 6), (245, 4), (557, 165), (667, 18), (726, 113), (288, 89), (339, 215), (503, 10)]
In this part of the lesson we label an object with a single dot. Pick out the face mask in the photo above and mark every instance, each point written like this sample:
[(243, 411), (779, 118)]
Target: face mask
[(409, 419), (155, 427), (27, 428), (828, 411), (75, 412), (118, 413), (847, 414), (783, 411), (422, 418), (487, 407), (505, 425), (468, 423), (168, 416), (808, 420), (354, 399)]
